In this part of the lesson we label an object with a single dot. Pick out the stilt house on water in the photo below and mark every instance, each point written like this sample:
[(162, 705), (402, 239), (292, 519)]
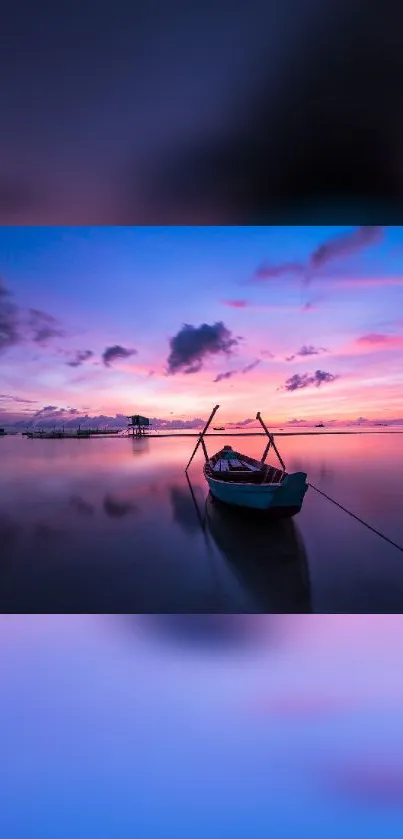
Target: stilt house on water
[(138, 425)]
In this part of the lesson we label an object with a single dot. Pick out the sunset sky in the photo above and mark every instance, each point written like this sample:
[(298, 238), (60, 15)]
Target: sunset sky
[(297, 322)]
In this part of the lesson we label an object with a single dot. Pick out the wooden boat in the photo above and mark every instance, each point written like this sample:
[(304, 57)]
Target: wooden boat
[(237, 479), (242, 481)]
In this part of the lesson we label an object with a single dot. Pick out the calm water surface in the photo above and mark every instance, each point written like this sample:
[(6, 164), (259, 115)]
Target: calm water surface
[(110, 525), (226, 726)]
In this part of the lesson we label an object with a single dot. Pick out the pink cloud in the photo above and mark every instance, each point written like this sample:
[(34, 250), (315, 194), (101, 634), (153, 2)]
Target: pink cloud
[(268, 307), (374, 338), (370, 343), (380, 340), (236, 304)]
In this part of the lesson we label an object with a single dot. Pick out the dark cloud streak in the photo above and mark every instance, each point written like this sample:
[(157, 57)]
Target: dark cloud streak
[(300, 381), (9, 320), (251, 366), (230, 373), (80, 357), (343, 245), (18, 325), (115, 353), (336, 247), (43, 327), (306, 350), (7, 397), (226, 375)]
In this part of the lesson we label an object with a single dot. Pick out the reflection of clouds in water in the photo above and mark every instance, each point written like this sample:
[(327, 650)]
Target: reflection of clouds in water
[(173, 569), (81, 506), (14, 535), (118, 509)]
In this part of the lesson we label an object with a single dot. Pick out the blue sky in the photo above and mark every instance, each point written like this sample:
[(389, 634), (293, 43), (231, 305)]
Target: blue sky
[(135, 288)]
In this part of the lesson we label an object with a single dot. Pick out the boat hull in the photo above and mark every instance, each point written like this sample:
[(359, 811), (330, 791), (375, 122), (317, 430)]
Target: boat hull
[(283, 500)]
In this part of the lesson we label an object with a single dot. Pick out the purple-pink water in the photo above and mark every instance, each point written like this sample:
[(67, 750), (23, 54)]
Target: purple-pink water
[(110, 525)]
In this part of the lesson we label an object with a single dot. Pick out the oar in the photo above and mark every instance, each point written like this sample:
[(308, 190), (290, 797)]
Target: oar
[(201, 437), (270, 436)]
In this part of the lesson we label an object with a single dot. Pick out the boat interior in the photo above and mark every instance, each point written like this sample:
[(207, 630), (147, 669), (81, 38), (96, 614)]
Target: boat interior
[(229, 465)]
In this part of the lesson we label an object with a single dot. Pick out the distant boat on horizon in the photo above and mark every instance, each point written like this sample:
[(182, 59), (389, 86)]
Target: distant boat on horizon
[(219, 428), (319, 425)]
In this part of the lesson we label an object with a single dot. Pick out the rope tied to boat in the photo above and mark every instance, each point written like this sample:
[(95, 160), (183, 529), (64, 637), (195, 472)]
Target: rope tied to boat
[(354, 516)]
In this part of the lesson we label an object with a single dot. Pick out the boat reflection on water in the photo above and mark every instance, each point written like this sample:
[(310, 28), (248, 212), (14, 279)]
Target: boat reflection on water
[(268, 556)]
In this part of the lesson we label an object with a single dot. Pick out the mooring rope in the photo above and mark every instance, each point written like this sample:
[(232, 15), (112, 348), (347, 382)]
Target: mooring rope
[(378, 533)]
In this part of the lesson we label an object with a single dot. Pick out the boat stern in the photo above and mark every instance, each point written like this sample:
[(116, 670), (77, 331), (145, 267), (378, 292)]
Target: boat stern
[(292, 491)]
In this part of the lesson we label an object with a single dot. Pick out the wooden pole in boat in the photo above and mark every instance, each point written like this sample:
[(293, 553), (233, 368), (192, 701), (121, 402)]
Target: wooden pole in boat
[(266, 451), (204, 448), (271, 439), (200, 440)]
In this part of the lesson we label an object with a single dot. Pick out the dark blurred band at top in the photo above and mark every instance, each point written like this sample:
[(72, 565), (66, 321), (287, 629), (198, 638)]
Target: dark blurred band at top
[(225, 112)]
